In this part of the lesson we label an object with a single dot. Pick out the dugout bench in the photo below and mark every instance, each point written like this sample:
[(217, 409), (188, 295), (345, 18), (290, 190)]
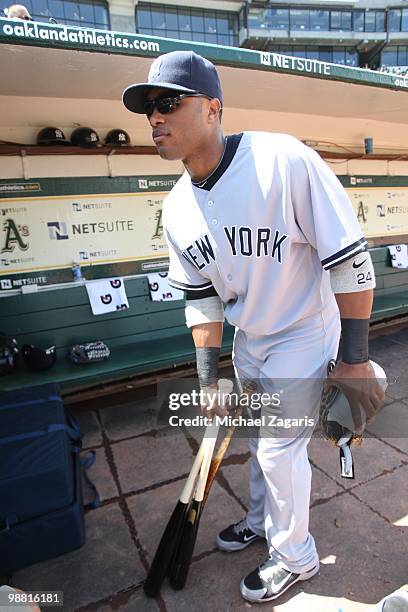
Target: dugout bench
[(148, 337)]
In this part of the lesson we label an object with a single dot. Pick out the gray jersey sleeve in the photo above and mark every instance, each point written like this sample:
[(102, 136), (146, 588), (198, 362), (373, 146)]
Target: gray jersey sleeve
[(182, 274), (322, 208)]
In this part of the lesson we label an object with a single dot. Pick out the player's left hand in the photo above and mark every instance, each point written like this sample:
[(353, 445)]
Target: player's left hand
[(361, 388)]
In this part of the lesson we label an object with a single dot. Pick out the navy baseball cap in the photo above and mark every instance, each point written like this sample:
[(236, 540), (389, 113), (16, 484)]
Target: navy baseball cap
[(181, 71)]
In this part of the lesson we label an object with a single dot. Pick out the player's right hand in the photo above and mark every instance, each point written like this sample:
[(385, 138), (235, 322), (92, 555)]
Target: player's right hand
[(214, 399)]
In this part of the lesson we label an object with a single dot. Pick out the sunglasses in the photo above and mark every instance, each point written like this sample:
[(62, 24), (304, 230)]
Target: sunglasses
[(169, 104)]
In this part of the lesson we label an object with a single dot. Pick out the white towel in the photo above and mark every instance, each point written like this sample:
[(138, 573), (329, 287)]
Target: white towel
[(160, 290), (399, 255), (107, 295)]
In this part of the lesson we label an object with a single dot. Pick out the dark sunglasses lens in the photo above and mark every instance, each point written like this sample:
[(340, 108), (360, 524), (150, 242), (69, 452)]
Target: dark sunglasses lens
[(149, 108), (165, 105)]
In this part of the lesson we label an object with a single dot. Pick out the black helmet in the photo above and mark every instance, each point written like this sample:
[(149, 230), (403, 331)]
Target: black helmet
[(120, 138), (38, 359), (85, 137), (9, 354), (51, 136)]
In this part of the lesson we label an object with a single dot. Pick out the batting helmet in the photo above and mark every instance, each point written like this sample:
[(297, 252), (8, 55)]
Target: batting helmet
[(38, 359), (119, 138), (51, 136), (85, 137), (9, 354)]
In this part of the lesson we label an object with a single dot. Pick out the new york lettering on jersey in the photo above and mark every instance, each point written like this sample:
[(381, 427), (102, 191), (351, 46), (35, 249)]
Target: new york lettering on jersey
[(244, 241)]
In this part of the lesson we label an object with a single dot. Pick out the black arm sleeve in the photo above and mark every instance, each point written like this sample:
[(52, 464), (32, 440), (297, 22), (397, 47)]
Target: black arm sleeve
[(198, 295)]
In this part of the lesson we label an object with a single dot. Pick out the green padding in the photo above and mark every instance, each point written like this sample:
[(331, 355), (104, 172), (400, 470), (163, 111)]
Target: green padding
[(390, 305)]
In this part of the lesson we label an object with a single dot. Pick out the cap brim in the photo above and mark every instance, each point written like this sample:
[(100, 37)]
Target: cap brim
[(134, 97)]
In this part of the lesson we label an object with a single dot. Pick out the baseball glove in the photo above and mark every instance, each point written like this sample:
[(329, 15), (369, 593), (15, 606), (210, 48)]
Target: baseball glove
[(337, 423), (89, 352)]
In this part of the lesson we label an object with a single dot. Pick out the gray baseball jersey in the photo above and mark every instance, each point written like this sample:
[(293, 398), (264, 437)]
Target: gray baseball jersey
[(262, 231)]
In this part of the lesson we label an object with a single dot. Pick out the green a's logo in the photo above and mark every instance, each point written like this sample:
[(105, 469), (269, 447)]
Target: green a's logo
[(14, 236), (158, 232)]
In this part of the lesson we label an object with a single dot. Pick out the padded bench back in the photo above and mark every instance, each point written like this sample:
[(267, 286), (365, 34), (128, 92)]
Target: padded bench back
[(146, 337), (64, 317), (391, 293)]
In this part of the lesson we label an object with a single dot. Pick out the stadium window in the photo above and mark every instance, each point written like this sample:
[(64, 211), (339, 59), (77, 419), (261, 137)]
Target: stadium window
[(279, 19), (394, 20), (197, 21), (299, 19), (351, 57), (144, 20), (369, 21), (182, 35), (312, 53), (222, 23), (374, 21), (210, 24), (358, 21), (380, 21), (158, 19), (92, 14), (339, 56), (325, 54), (319, 20), (389, 56), (404, 23), (346, 21), (402, 56), (340, 21), (186, 23), (170, 18), (257, 18)]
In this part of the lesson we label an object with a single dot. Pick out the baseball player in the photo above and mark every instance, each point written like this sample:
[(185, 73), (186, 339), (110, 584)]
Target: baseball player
[(260, 231)]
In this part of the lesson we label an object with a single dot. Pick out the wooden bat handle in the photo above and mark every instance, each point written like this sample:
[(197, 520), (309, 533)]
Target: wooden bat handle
[(206, 462), (195, 469), (216, 462)]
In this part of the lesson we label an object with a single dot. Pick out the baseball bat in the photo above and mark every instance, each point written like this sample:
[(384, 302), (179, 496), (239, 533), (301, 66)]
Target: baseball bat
[(170, 538), (181, 562)]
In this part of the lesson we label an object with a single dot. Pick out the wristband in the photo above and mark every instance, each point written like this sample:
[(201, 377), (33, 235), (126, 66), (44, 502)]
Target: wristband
[(207, 365), (355, 340)]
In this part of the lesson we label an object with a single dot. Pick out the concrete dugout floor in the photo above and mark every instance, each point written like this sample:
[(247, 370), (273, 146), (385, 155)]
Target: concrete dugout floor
[(360, 526)]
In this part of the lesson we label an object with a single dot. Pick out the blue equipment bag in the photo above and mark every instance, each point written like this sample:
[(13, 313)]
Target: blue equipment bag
[(41, 508)]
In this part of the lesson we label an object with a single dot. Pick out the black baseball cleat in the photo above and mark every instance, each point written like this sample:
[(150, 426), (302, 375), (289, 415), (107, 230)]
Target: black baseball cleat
[(270, 580), (236, 537)]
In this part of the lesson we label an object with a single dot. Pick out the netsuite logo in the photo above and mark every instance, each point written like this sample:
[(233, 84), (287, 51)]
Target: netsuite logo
[(6, 283), (57, 230)]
